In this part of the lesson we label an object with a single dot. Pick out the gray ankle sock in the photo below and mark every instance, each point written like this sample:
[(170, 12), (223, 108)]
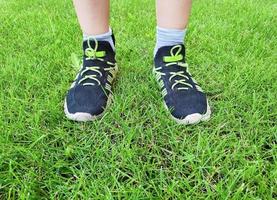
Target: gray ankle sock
[(169, 37), (103, 37)]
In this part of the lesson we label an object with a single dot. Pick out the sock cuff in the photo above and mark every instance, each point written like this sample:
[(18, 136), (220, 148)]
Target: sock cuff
[(167, 30), (169, 37), (100, 36), (171, 33)]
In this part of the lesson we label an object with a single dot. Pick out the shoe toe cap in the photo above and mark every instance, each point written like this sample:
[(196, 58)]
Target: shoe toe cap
[(189, 105), (84, 100)]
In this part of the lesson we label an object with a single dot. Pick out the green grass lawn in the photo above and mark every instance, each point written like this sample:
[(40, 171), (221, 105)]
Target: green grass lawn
[(136, 151)]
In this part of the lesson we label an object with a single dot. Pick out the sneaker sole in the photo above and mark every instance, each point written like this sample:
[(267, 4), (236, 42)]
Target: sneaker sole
[(87, 117), (194, 118)]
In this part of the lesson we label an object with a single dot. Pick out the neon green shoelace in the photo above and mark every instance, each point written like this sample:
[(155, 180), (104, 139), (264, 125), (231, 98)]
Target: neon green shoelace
[(175, 59), (93, 54)]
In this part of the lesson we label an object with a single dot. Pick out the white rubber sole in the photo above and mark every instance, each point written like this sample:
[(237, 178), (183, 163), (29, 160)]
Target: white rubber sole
[(87, 117), (193, 118)]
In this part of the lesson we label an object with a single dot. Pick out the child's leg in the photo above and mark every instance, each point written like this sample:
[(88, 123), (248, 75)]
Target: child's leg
[(94, 20), (91, 92), (172, 19), (173, 14), (93, 16)]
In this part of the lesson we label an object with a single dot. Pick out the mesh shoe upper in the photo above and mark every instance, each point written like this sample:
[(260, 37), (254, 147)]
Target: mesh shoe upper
[(92, 86), (182, 95)]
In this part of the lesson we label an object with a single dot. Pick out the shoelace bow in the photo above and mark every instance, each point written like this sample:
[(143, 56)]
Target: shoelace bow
[(93, 54), (176, 59)]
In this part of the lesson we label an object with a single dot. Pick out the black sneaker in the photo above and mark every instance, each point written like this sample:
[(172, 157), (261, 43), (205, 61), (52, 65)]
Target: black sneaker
[(90, 94), (182, 95)]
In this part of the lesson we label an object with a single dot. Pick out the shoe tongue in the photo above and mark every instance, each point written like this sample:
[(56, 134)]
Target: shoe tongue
[(173, 68), (97, 45), (171, 51)]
